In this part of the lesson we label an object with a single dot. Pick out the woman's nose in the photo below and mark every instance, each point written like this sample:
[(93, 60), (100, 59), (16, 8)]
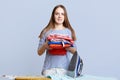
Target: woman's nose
[(60, 15)]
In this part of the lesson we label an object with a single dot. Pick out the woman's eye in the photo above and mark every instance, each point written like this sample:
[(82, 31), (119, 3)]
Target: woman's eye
[(56, 13), (62, 13), (59, 14)]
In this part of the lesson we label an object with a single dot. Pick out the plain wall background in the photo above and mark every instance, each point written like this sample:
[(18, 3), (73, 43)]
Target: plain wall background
[(97, 26)]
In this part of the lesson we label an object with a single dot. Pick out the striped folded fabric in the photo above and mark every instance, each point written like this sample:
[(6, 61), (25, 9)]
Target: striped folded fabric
[(59, 37)]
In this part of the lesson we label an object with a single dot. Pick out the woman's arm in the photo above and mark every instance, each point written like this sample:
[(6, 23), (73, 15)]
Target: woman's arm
[(42, 49)]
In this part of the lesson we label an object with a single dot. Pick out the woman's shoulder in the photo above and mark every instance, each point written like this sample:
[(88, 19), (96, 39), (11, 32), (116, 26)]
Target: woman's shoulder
[(68, 30)]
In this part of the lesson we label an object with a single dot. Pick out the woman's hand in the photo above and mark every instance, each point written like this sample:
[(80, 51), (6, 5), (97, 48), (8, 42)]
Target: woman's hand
[(71, 49), (42, 49), (46, 45)]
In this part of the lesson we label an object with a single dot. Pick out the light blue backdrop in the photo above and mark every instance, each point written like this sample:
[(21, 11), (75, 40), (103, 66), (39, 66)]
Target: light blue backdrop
[(97, 26)]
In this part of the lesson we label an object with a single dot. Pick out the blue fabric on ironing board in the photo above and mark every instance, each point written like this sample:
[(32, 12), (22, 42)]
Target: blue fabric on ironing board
[(83, 77)]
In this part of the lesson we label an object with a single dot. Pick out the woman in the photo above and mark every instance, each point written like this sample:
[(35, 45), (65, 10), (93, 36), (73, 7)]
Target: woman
[(58, 24)]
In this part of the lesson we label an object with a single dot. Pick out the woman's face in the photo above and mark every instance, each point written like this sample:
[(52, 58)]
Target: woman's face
[(59, 16)]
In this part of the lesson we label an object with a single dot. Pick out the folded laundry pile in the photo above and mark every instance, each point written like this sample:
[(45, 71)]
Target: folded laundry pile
[(58, 43)]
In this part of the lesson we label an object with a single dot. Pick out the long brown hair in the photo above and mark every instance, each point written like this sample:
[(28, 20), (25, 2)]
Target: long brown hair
[(66, 23)]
